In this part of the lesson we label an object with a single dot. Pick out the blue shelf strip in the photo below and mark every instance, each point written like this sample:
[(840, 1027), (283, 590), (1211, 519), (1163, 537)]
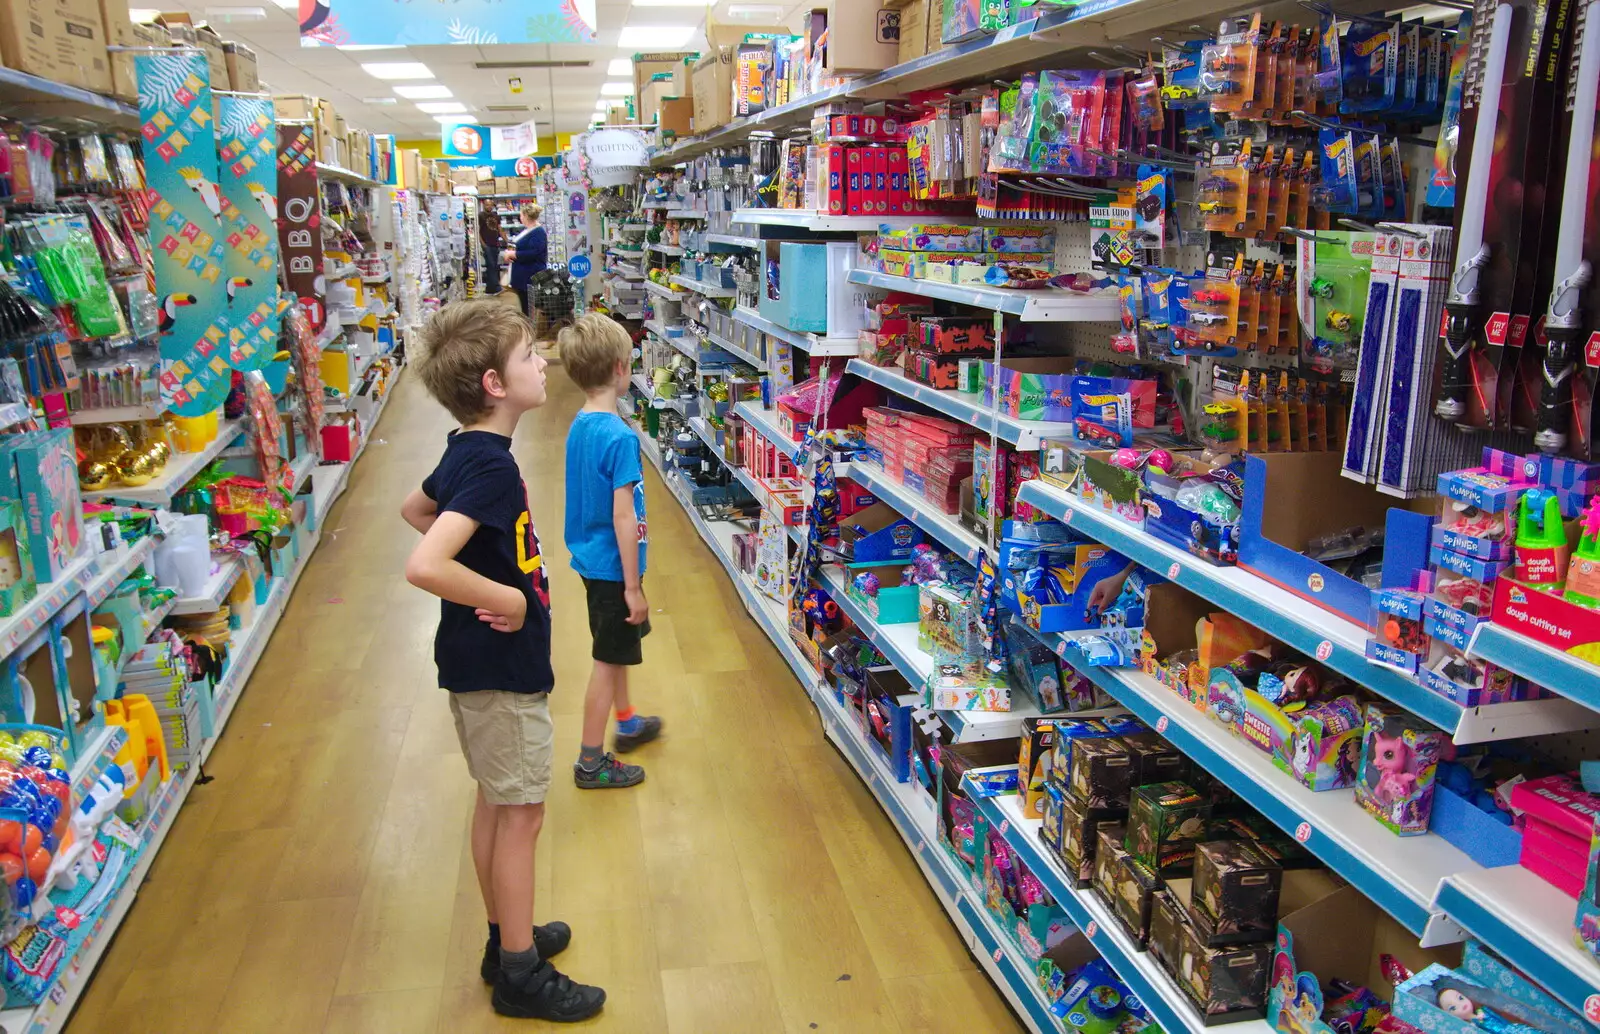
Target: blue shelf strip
[(959, 541), (1573, 678), (751, 318)]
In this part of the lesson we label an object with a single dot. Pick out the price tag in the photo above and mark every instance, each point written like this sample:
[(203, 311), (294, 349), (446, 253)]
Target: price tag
[(1591, 1008), (1324, 650), (1092, 929), (996, 955), (1302, 832), (920, 845), (1005, 825), (1161, 724), (1172, 572)]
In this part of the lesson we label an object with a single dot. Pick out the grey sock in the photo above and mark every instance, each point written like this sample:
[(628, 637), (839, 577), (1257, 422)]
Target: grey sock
[(519, 965), (590, 757)]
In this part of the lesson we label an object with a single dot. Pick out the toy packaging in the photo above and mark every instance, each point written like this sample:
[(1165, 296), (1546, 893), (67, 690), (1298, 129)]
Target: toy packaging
[(1235, 893), (1165, 822), (1325, 744), (1102, 773), (1399, 757), (17, 581), (1155, 760), (1079, 837), (45, 466), (1033, 767), (1224, 983), (1136, 887)]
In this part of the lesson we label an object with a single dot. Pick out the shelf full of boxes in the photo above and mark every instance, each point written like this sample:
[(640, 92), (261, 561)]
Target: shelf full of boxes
[(112, 563), (1452, 878)]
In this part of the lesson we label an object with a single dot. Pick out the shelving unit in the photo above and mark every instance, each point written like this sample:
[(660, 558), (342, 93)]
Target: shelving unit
[(734, 350), (701, 287), (180, 469), (1046, 305), (1026, 435), (945, 528), (822, 222), (1339, 643), (812, 343)]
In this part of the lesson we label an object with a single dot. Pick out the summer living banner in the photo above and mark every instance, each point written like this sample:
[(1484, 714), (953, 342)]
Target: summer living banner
[(401, 23), (300, 220), (186, 229), (249, 172)]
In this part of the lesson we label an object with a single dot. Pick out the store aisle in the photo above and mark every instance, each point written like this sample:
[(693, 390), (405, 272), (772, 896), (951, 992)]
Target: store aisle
[(321, 882)]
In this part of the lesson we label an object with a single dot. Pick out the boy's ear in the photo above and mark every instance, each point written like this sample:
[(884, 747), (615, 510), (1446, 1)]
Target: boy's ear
[(493, 385)]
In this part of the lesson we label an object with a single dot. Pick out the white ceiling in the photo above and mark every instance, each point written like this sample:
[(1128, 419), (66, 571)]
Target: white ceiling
[(561, 100)]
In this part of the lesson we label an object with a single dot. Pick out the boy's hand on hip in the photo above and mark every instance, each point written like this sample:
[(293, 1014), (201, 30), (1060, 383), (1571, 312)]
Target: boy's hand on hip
[(638, 606), (512, 615)]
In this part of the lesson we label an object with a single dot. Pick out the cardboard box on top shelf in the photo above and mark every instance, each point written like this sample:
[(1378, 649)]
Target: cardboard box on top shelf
[(676, 66), (120, 32), (920, 25), (676, 115), (288, 107), (186, 32), (619, 116), (485, 174), (242, 70), (524, 185), (862, 37), (411, 168), (64, 40)]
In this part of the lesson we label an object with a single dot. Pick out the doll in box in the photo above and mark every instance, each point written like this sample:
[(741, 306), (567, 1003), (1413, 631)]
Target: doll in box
[(1324, 744), (1399, 758)]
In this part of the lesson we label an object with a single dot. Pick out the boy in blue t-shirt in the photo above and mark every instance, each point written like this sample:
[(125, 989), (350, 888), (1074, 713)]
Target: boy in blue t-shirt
[(606, 536), (480, 555)]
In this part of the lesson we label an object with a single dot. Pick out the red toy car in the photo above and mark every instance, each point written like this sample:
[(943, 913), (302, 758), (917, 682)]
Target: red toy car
[(1089, 431), (1210, 295)]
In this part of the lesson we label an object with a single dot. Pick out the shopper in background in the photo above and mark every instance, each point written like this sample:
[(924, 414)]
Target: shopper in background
[(528, 253), (493, 241), (606, 535), (480, 555)]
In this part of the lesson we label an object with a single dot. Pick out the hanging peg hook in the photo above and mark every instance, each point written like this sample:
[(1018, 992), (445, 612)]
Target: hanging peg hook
[(1399, 228)]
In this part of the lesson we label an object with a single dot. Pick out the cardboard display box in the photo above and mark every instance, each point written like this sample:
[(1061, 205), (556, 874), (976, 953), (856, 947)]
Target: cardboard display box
[(64, 40), (673, 70), (711, 81), (293, 106), (676, 115), (122, 32), (862, 37), (242, 71)]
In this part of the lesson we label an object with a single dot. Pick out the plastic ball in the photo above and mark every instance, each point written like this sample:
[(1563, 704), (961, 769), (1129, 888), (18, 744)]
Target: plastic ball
[(58, 791), (25, 890), (867, 583), (1160, 460), (11, 753), (38, 865), (1128, 459), (5, 737), (36, 738), (10, 867), (32, 838), (39, 757), (10, 835)]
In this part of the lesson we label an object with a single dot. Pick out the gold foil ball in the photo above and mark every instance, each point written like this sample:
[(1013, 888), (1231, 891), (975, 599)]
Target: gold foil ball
[(138, 468), (94, 474)]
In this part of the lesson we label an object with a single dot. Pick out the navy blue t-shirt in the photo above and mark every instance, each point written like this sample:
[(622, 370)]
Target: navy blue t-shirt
[(478, 478)]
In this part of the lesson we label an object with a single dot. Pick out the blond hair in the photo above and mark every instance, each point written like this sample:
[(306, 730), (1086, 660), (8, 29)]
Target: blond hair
[(531, 211), (463, 341), (591, 349)]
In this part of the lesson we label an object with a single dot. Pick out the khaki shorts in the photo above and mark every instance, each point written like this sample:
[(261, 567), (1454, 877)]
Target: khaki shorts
[(508, 741)]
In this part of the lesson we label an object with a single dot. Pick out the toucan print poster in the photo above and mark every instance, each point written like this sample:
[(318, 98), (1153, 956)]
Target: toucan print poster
[(414, 22), (249, 169), (187, 229)]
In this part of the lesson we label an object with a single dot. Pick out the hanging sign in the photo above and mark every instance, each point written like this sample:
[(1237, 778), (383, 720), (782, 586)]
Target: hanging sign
[(186, 229), (463, 140), (513, 141), (470, 22), (249, 172), (300, 220), (615, 156)]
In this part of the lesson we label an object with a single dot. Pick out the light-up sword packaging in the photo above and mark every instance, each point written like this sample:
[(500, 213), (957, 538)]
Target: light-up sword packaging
[(1493, 280)]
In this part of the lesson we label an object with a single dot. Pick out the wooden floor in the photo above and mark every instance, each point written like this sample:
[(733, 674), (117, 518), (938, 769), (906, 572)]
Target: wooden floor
[(322, 881)]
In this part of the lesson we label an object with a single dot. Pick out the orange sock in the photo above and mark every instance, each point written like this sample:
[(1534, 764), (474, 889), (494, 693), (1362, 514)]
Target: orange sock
[(623, 716)]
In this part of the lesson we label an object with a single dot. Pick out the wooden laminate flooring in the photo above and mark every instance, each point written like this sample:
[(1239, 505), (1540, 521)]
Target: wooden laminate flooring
[(322, 881)]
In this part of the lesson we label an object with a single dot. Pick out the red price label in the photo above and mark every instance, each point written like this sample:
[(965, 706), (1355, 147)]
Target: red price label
[(1591, 1008), (1092, 929), (1302, 832), (997, 955), (1005, 825), (1172, 572), (1324, 650), (1161, 724)]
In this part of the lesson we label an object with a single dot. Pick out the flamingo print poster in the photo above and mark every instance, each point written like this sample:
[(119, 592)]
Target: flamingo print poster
[(471, 22), (187, 231), (249, 170)]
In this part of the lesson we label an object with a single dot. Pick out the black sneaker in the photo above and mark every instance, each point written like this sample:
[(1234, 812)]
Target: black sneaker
[(547, 995), (611, 775), (649, 729), (551, 939)]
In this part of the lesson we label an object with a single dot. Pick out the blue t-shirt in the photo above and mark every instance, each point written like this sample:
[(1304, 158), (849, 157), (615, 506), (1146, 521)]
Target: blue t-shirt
[(479, 479), (602, 456)]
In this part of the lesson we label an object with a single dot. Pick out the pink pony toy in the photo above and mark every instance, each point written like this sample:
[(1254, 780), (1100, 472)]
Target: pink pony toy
[(1390, 756)]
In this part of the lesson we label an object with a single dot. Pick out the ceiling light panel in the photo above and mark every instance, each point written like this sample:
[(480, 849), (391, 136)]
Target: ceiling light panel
[(424, 91), (655, 37), (397, 70), (670, 3), (616, 89), (443, 108), (620, 66)]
